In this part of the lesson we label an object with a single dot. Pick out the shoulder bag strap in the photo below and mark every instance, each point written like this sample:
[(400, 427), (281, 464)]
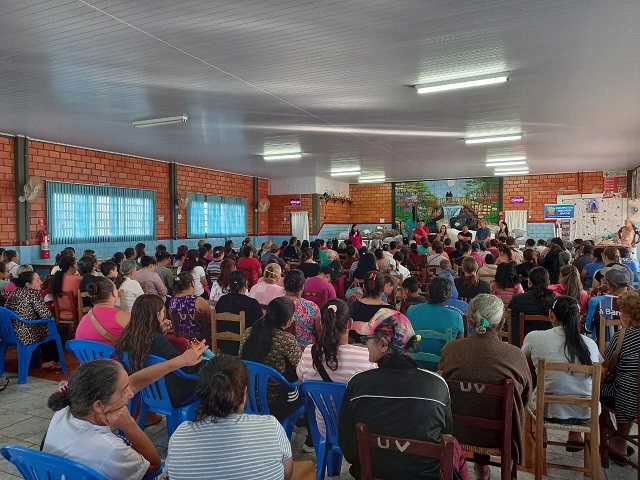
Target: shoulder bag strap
[(616, 353), (319, 365), (101, 330)]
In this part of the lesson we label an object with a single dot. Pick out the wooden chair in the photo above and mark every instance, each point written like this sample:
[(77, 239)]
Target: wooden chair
[(465, 323), (316, 297), (226, 335), (65, 307), (143, 285), (419, 275), (530, 318), (81, 308), (369, 441), (191, 325), (507, 329), (607, 430), (123, 307), (339, 286), (467, 397), (536, 425), (432, 270), (602, 332)]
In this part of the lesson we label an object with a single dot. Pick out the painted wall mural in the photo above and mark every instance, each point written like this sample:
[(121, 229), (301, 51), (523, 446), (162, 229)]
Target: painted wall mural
[(456, 202)]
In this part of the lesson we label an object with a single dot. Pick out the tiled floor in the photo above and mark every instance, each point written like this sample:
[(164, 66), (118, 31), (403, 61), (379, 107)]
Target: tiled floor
[(24, 418)]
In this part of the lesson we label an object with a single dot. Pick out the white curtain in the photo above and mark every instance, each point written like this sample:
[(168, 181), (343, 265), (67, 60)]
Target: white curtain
[(516, 219), (300, 225)]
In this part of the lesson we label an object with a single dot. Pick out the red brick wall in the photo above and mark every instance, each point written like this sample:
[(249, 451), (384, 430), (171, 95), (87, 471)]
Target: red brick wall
[(540, 189), (80, 165), (280, 212), (199, 180), (371, 202), (337, 212), (7, 192)]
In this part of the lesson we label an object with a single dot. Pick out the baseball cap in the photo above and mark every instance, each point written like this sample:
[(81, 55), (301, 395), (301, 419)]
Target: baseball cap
[(274, 247), (390, 323), (267, 245), (618, 276)]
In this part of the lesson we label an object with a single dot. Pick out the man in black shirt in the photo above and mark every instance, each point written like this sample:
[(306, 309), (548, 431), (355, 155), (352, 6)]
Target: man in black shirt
[(465, 235)]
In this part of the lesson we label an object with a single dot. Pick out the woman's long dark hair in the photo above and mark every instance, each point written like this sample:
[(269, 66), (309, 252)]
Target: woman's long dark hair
[(539, 278), (373, 284), (190, 262), (506, 275), (237, 281), (506, 228), (366, 264), (507, 250), (352, 232), (137, 336), (335, 321), (221, 386), (226, 267), (567, 311), (65, 264), (279, 311)]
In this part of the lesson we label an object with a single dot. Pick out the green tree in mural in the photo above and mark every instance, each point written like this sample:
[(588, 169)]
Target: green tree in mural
[(412, 193)]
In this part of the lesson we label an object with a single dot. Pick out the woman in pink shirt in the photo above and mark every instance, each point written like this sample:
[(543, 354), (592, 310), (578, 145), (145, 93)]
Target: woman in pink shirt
[(149, 279), (66, 279), (570, 284), (104, 322), (266, 290), (356, 237)]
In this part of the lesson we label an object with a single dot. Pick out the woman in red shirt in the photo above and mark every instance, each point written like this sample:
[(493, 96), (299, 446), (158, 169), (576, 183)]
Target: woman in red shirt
[(250, 265)]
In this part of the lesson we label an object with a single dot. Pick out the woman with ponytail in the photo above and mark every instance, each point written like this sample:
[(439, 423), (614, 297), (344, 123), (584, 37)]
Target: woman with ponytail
[(93, 403), (484, 358), (332, 358), (222, 391), (268, 343), (563, 343), (570, 284), (537, 300), (66, 279)]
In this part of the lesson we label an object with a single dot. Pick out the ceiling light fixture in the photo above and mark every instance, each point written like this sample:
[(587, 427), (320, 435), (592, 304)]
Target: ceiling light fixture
[(463, 83), (371, 180), (510, 169), (154, 122), (504, 138), (515, 158), (505, 164), (284, 156), (347, 173), (517, 172)]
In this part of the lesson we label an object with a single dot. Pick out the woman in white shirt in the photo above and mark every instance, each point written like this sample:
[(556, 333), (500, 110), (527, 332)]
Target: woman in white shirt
[(190, 264), (93, 403), (220, 286), (563, 343), (127, 284), (332, 358)]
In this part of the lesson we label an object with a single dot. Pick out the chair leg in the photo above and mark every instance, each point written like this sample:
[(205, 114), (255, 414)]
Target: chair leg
[(3, 355), (334, 463), (529, 452), (593, 455), (63, 362), (24, 359), (541, 453), (321, 457), (605, 422)]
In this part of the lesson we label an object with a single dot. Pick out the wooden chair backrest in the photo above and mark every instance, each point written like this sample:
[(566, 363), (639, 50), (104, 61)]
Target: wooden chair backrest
[(81, 308), (123, 307), (180, 320), (70, 306), (464, 395), (432, 270), (530, 318), (442, 451), (505, 333), (602, 332), (316, 297), (227, 317), (143, 285)]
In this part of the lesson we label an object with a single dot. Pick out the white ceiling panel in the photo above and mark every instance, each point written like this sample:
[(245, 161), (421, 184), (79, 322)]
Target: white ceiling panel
[(333, 79)]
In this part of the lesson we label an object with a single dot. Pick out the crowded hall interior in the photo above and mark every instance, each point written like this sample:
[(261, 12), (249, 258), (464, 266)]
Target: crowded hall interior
[(301, 239)]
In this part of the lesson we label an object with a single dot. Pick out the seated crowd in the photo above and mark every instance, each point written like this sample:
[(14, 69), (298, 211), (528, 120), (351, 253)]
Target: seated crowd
[(352, 313)]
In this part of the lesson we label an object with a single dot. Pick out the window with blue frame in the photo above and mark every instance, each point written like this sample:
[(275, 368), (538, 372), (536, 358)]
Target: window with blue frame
[(216, 216), (95, 213)]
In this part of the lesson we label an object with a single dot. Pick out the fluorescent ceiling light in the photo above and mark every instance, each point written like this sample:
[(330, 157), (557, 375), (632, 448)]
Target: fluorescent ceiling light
[(516, 158), (517, 172), (154, 122), (505, 164), (284, 156), (511, 169), (463, 83), (351, 173), (371, 180), (504, 138)]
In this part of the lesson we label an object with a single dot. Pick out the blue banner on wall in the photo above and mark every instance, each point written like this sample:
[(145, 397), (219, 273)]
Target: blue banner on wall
[(552, 211)]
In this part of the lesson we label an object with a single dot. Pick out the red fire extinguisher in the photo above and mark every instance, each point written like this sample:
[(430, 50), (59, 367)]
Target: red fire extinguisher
[(43, 240)]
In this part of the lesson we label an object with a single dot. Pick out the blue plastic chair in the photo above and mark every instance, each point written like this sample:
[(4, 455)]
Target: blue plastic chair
[(9, 339), (257, 404), (155, 398), (37, 465), (87, 350), (327, 398)]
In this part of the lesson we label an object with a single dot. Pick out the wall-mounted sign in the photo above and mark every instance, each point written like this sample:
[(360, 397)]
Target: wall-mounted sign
[(552, 211), (615, 182), (516, 200), (295, 202)]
